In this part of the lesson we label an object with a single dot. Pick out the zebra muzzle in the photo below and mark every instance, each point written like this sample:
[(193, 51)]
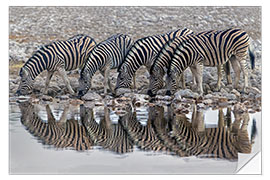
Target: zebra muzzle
[(150, 93), (168, 93)]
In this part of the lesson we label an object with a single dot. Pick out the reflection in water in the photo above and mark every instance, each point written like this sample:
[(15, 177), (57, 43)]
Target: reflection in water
[(65, 133), (164, 132)]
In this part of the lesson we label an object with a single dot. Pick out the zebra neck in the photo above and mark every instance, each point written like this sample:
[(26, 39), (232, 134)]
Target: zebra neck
[(34, 68)]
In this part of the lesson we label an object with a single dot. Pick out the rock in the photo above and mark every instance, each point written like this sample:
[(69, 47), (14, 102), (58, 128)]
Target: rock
[(208, 96), (23, 98), (199, 99), (223, 91), (64, 97), (163, 98), (75, 102), (177, 97), (207, 101), (186, 93), (235, 92), (223, 102), (122, 91), (258, 97), (231, 96), (254, 90), (239, 108), (91, 96), (47, 98), (34, 100)]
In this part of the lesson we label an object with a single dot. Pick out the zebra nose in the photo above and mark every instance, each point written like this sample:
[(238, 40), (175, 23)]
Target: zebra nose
[(80, 94), (150, 93), (168, 93), (18, 92)]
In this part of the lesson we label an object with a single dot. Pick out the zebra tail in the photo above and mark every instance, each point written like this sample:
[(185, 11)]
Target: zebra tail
[(252, 57)]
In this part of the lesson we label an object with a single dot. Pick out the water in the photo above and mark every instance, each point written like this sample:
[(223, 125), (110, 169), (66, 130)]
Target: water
[(76, 139)]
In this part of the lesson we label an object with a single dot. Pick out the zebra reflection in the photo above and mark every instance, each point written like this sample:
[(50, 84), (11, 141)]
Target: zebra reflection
[(64, 133), (109, 136)]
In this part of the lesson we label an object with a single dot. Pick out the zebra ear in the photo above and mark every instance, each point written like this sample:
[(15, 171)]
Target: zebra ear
[(23, 72)]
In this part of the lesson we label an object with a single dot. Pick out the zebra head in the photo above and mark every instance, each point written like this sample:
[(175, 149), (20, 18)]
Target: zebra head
[(172, 82), (25, 86), (156, 81), (123, 78), (84, 82)]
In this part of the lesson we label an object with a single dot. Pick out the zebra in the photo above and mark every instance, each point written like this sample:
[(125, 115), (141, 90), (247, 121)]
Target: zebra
[(143, 52), (162, 63), (64, 133), (58, 56), (210, 49), (216, 142), (106, 55), (110, 136)]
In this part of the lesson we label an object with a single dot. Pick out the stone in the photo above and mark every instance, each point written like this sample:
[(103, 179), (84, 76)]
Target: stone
[(47, 98), (91, 96), (223, 101), (207, 101), (254, 90), (187, 93), (64, 97), (75, 102), (122, 91), (231, 96), (239, 108), (208, 96), (234, 91)]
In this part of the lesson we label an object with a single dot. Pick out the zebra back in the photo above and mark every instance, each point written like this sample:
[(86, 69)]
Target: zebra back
[(110, 53), (71, 54), (144, 50)]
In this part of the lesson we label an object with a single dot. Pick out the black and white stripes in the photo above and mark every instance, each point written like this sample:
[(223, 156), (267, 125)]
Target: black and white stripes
[(107, 55), (59, 56), (143, 52), (210, 49)]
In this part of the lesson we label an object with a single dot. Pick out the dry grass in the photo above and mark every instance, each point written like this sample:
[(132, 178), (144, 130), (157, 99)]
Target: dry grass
[(14, 67)]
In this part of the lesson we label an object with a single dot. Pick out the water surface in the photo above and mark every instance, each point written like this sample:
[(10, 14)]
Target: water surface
[(68, 139)]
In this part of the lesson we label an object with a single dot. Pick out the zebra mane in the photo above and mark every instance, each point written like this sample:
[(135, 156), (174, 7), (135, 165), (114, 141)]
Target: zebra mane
[(160, 52), (183, 42)]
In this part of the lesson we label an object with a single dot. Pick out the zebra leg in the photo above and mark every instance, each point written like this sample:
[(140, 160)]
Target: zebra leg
[(182, 78), (48, 79), (227, 70), (50, 115), (63, 74), (219, 77), (197, 71), (245, 72), (236, 69), (134, 81), (63, 118), (194, 75), (106, 80), (200, 78)]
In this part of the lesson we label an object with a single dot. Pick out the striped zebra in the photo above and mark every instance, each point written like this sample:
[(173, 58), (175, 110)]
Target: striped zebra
[(64, 133), (143, 52), (219, 142), (144, 137), (58, 56), (194, 51), (107, 55), (105, 134)]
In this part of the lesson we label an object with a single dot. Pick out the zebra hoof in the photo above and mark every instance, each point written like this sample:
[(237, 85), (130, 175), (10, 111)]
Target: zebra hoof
[(150, 93), (168, 93)]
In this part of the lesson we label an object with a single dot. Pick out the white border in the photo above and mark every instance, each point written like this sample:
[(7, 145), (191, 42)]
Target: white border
[(4, 64)]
